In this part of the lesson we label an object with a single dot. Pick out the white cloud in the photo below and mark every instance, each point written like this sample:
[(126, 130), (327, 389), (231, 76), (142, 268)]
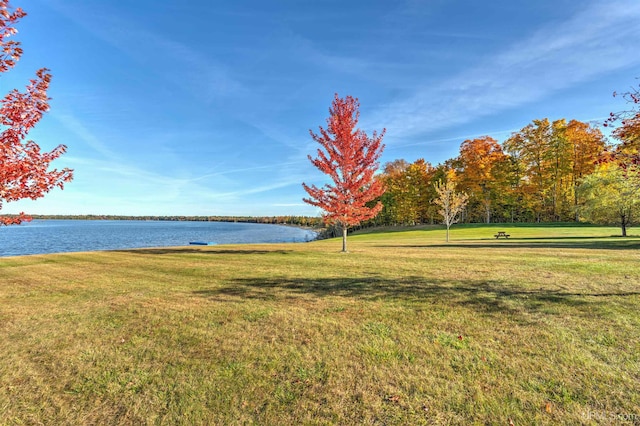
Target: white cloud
[(598, 40)]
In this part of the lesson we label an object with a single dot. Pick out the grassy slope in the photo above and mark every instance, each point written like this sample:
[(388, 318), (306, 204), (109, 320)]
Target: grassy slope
[(542, 328)]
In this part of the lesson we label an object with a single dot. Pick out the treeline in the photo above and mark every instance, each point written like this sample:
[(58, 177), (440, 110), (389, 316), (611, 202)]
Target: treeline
[(304, 221), (533, 176)]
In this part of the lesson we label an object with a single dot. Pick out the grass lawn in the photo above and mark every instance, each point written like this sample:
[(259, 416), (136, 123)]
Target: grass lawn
[(542, 328)]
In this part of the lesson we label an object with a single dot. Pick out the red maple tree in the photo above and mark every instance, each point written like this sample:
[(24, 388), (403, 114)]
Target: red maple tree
[(23, 166), (350, 159)]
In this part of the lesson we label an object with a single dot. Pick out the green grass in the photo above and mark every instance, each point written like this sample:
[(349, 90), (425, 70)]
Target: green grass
[(543, 328)]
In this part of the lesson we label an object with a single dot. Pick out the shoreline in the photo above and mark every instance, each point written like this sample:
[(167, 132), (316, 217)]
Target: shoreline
[(310, 223), (47, 236)]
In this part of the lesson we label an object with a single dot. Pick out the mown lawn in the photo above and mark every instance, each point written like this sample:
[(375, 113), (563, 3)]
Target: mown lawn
[(543, 328)]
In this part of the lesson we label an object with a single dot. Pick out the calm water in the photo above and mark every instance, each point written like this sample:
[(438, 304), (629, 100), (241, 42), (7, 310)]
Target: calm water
[(57, 236)]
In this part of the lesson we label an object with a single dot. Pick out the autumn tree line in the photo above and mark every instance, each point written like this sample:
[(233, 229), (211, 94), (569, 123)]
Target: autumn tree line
[(533, 176), (548, 171)]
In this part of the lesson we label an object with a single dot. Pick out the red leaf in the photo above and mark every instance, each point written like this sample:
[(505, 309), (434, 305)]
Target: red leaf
[(350, 159), (23, 167)]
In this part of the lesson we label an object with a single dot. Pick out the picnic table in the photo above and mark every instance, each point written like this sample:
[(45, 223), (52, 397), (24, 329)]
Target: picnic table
[(501, 234)]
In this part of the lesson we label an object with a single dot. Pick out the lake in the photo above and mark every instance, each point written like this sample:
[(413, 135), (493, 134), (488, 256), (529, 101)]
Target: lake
[(58, 236)]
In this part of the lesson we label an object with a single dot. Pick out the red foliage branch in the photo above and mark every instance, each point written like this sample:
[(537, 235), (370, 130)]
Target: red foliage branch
[(11, 50), (629, 130), (350, 159), (23, 166)]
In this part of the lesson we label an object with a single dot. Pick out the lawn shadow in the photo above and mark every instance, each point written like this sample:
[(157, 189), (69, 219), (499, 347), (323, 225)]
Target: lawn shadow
[(203, 250), (488, 297), (596, 243)]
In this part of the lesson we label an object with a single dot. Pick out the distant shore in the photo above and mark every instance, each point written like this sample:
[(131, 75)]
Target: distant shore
[(300, 221)]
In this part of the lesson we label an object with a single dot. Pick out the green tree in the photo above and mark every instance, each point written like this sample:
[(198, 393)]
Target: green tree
[(409, 192), (612, 195), (397, 202)]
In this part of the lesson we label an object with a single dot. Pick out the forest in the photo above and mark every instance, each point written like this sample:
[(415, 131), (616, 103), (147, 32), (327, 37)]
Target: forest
[(535, 175)]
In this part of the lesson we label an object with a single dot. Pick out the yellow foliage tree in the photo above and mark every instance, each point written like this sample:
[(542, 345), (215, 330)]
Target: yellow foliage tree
[(451, 202)]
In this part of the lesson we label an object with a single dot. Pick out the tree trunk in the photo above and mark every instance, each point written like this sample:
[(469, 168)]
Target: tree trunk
[(575, 204), (624, 226), (344, 239), (447, 233)]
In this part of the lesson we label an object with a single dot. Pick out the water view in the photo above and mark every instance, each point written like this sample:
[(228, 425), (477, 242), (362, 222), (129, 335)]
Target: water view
[(57, 236)]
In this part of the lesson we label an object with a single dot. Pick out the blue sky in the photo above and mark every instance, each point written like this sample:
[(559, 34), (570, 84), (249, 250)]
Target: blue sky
[(204, 107)]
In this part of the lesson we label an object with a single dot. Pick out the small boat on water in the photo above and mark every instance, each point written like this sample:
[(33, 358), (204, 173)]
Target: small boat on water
[(202, 243)]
